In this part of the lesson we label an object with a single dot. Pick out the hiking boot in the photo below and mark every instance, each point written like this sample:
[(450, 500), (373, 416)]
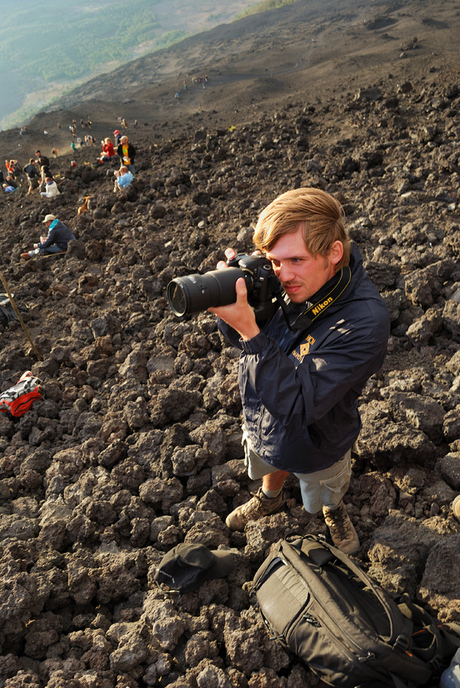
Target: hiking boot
[(343, 533), (26, 256), (259, 505), (456, 507)]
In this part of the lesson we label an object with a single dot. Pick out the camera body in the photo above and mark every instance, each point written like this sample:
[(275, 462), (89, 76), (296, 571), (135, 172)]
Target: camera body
[(196, 293)]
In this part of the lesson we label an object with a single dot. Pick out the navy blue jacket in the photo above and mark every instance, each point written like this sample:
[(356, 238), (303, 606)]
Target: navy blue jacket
[(59, 234), (300, 400)]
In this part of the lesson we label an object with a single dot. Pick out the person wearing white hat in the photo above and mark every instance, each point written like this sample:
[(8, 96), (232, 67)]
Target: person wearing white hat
[(56, 241)]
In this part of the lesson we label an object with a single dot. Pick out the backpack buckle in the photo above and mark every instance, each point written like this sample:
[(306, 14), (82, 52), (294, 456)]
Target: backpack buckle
[(435, 663), (402, 643)]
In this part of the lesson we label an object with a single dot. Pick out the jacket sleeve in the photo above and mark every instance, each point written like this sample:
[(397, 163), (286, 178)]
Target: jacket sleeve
[(49, 240), (229, 333), (348, 356)]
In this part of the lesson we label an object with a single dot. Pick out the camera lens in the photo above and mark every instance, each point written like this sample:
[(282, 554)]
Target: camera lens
[(177, 297), (196, 293)]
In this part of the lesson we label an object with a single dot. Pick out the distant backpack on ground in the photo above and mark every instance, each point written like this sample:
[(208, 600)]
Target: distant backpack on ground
[(323, 607), (7, 312), (17, 400)]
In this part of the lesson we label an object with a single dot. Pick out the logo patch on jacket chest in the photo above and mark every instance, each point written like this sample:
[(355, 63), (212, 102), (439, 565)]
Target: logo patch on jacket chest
[(303, 349)]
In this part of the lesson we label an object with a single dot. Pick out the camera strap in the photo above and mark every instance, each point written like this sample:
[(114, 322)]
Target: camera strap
[(304, 321)]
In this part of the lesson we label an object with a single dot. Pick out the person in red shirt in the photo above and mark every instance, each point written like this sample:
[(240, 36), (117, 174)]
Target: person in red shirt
[(108, 151)]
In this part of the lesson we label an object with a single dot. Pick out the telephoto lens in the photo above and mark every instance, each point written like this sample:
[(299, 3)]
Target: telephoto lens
[(196, 293)]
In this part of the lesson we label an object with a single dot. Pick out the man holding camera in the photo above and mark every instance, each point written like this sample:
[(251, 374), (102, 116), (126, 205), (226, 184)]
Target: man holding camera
[(301, 371)]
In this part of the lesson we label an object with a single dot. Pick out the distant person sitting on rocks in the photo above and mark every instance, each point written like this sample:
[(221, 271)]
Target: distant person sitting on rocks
[(117, 135), (14, 170), (56, 241), (51, 188), (123, 179), (10, 184), (32, 174), (108, 151), (126, 152)]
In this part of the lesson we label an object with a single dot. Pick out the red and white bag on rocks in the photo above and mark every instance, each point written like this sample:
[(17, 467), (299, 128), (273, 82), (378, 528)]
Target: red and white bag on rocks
[(18, 399)]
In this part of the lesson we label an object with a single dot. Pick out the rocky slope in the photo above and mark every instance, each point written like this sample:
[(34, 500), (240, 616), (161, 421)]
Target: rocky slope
[(135, 446)]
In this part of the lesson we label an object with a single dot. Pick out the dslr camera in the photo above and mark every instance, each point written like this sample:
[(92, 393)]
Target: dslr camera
[(196, 293)]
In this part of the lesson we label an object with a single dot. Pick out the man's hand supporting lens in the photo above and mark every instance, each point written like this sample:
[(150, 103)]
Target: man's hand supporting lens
[(239, 315)]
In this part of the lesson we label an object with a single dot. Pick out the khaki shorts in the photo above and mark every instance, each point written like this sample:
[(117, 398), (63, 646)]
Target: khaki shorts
[(318, 489)]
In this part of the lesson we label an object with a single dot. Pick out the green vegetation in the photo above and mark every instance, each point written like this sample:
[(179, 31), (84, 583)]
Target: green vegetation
[(50, 48), (167, 39), (64, 42), (26, 112), (264, 6)]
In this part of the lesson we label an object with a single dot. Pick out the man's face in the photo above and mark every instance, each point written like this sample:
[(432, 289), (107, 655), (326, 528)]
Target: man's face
[(301, 275)]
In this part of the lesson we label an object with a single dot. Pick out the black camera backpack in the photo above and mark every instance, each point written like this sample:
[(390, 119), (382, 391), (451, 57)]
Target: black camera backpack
[(318, 603)]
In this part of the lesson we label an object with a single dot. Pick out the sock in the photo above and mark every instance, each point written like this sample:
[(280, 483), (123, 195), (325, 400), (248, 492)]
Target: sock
[(334, 508), (271, 494)]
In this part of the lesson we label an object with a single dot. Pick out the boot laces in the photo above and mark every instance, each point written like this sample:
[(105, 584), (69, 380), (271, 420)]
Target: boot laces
[(339, 522), (260, 505)]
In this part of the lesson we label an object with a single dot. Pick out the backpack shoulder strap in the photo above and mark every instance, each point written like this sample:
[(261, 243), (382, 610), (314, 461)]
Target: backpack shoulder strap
[(453, 632)]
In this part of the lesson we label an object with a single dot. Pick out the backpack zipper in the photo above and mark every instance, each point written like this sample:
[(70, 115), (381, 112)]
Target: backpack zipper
[(357, 652)]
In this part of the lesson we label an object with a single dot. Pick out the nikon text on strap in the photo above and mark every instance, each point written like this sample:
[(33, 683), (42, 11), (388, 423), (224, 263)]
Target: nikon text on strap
[(315, 311), (312, 313)]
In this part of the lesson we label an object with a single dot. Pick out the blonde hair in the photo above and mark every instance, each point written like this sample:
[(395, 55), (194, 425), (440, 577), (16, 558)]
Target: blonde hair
[(318, 214)]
